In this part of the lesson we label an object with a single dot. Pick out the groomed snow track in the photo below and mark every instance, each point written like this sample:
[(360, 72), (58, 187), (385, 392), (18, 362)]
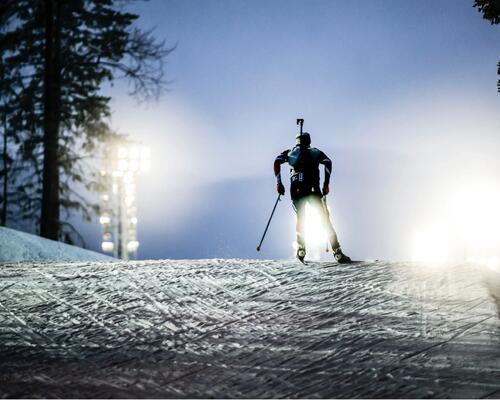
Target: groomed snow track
[(240, 328)]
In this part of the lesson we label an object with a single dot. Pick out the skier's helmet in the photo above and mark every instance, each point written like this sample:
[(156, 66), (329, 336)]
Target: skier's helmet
[(303, 140)]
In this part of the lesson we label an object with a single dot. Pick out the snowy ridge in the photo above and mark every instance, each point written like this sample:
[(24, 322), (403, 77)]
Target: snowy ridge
[(21, 246), (248, 328)]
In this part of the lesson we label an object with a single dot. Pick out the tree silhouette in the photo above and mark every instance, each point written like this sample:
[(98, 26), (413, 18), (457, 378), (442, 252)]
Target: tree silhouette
[(491, 12), (61, 53)]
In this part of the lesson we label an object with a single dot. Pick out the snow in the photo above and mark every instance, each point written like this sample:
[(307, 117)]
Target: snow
[(21, 246), (248, 328)]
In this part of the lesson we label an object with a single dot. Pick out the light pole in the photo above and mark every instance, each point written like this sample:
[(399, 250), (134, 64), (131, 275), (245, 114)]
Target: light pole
[(122, 165)]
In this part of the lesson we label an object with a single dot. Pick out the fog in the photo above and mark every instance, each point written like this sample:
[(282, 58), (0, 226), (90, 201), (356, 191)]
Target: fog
[(401, 95)]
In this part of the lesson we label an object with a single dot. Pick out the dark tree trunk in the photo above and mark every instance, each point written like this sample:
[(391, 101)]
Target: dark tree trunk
[(5, 157), (49, 224), (5, 161)]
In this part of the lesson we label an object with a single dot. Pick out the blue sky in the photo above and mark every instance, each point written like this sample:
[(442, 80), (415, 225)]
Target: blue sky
[(400, 94)]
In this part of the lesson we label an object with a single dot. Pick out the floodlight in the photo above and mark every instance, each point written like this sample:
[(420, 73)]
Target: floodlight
[(134, 152), (128, 158), (122, 165), (123, 152), (132, 246), (107, 246), (104, 219)]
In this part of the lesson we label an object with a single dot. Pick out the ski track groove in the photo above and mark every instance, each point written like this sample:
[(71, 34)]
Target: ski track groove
[(247, 328)]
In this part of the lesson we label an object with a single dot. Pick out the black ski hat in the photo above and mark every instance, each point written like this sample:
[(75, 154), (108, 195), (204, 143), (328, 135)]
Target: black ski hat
[(303, 140)]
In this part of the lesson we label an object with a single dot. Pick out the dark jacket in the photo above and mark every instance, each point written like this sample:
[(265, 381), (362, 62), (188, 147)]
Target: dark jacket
[(304, 169)]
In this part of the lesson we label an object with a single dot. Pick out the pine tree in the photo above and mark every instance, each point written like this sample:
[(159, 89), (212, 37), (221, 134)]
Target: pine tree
[(10, 83), (491, 12), (63, 52)]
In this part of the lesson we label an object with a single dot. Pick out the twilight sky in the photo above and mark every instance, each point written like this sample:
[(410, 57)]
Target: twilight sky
[(400, 94)]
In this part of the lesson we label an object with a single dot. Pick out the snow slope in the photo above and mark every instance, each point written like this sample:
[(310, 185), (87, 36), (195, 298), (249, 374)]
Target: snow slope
[(21, 246), (248, 329)]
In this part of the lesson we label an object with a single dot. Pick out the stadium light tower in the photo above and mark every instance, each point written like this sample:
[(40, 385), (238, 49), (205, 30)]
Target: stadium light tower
[(122, 165)]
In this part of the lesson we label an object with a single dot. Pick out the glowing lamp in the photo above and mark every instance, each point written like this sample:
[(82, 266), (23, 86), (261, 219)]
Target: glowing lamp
[(107, 246), (134, 152), (127, 159), (132, 246), (122, 165), (123, 152), (104, 219)]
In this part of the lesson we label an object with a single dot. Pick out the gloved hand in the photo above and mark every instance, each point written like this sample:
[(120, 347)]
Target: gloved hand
[(280, 188), (326, 189)]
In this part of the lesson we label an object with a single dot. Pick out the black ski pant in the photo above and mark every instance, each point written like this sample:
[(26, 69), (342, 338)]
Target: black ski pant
[(315, 200)]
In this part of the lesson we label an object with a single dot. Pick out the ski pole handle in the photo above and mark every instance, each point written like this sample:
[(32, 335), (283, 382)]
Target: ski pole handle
[(268, 222), (300, 121)]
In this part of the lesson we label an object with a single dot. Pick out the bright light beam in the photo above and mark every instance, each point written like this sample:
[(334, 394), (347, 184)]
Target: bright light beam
[(469, 226), (475, 212), (315, 235), (431, 245)]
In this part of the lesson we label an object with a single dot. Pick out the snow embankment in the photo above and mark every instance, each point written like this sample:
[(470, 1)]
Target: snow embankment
[(21, 246)]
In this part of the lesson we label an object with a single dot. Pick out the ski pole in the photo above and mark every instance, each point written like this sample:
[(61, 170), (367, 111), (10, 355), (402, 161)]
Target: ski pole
[(268, 222)]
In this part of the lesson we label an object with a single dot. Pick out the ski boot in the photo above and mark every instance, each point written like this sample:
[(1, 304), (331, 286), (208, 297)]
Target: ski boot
[(301, 248), (341, 257), (301, 254)]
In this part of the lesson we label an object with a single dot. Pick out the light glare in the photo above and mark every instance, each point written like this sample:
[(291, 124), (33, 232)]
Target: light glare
[(145, 165), (107, 246), (123, 152), (314, 232), (145, 153), (134, 152), (132, 246), (122, 165), (430, 245), (104, 219)]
